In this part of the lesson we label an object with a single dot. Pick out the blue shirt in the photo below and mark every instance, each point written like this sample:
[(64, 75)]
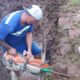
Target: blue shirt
[(11, 29)]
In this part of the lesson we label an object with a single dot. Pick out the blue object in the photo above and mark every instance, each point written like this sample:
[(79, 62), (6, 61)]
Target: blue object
[(14, 33)]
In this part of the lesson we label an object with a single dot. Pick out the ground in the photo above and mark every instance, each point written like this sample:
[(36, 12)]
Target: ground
[(69, 28)]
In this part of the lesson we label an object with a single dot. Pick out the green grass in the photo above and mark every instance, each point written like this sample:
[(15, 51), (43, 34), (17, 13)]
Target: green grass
[(74, 2), (71, 4), (47, 78)]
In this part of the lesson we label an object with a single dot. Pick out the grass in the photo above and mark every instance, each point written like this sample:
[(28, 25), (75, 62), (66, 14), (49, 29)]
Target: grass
[(47, 77), (71, 4), (74, 2)]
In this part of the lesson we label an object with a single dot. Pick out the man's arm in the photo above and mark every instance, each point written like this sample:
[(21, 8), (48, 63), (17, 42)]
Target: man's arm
[(29, 41), (4, 44), (10, 50)]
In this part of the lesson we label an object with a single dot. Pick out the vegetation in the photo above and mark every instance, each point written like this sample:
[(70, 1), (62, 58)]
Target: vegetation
[(74, 2)]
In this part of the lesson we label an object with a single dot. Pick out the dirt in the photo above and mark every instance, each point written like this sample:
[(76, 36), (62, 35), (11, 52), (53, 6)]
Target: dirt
[(69, 60)]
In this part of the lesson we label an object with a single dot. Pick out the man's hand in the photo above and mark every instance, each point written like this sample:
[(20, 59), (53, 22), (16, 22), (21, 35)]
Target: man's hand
[(28, 54), (12, 51)]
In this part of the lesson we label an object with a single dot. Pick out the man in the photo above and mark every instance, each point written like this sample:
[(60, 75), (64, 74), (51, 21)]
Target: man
[(16, 30)]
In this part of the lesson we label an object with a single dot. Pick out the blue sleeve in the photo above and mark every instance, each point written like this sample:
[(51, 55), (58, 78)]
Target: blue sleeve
[(31, 28), (4, 31), (12, 20)]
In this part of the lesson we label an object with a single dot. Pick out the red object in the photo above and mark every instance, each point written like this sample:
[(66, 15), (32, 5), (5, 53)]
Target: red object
[(34, 62)]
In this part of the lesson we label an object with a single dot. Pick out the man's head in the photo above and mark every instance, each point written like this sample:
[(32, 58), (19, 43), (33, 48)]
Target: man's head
[(34, 13)]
